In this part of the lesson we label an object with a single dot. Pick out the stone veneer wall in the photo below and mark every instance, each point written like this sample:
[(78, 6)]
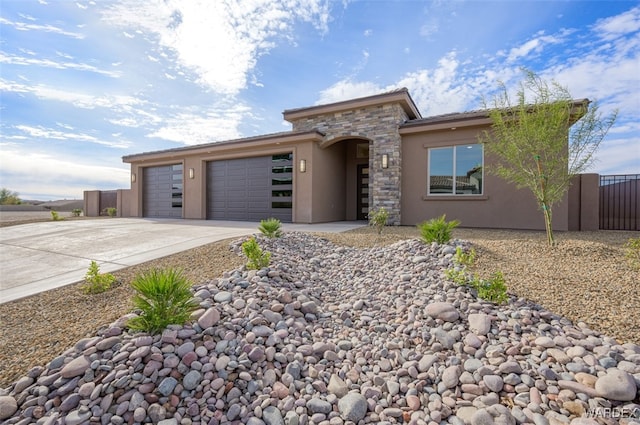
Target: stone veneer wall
[(379, 124)]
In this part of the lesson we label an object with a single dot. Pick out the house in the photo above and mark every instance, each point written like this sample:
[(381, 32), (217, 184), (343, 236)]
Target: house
[(338, 162)]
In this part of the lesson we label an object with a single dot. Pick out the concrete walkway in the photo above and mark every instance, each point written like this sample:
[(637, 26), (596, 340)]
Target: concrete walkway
[(41, 256)]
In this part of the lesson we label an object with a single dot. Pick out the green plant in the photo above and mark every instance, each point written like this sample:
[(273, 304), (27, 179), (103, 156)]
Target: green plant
[(111, 211), (96, 282), (55, 216), (9, 197), (76, 212), (163, 298), (456, 275), (632, 252), (541, 137), (257, 258), (378, 219), (493, 289), (271, 227), (467, 259), (437, 229)]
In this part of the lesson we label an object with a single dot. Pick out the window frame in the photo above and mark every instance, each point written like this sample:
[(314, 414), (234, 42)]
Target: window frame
[(455, 195)]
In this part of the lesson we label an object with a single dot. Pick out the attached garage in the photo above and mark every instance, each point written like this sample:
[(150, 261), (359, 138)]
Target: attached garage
[(250, 189), (162, 194)]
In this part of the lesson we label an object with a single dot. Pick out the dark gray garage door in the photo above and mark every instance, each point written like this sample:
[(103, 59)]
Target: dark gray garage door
[(162, 195), (251, 189)]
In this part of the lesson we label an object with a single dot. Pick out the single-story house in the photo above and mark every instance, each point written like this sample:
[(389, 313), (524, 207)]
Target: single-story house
[(341, 160)]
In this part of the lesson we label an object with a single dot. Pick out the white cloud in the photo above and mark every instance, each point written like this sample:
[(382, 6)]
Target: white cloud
[(618, 156), (612, 27), (37, 173), (40, 132), (220, 41), (190, 128), (534, 46), (22, 26), (347, 89), (47, 63)]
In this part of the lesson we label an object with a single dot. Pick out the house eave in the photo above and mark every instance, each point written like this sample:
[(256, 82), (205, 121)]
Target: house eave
[(269, 140), (400, 96)]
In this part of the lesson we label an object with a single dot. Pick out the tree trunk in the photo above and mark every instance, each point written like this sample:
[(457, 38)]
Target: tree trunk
[(547, 224), (546, 208)]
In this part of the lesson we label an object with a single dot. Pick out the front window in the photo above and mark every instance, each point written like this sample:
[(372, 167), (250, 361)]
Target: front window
[(456, 170)]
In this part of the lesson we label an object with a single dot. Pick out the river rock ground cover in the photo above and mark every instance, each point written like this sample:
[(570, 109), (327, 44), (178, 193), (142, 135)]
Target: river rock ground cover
[(332, 334)]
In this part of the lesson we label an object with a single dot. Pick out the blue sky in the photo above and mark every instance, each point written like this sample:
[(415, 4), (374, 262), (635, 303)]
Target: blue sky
[(83, 83)]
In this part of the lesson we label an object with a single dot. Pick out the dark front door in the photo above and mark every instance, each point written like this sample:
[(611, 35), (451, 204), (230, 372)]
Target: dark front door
[(363, 192)]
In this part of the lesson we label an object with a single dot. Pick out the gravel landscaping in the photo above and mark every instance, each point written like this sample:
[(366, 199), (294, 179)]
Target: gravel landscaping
[(367, 320)]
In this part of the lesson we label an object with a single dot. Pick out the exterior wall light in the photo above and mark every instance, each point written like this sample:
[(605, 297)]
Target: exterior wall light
[(303, 166), (133, 177), (192, 173), (385, 161)]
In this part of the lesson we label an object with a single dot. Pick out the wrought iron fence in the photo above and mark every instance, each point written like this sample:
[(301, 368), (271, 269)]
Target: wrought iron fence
[(620, 202)]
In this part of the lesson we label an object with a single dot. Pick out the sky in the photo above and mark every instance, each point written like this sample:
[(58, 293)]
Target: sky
[(84, 83)]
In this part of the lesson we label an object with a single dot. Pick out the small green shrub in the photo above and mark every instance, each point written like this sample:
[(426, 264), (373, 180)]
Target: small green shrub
[(96, 282), (163, 297), (271, 227), (257, 258), (467, 259), (76, 212), (437, 229), (111, 211), (378, 219), (493, 289), (55, 216), (632, 252), (456, 275)]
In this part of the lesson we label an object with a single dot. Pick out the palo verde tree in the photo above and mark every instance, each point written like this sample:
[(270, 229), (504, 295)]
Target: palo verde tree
[(543, 138)]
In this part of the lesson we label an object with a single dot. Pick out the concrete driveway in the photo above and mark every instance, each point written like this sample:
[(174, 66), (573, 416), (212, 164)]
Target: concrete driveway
[(41, 256)]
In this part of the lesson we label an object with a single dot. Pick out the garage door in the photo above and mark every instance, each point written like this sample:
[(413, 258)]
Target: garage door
[(162, 194), (250, 189)]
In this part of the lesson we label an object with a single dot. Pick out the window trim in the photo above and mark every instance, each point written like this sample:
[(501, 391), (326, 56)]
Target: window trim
[(450, 196)]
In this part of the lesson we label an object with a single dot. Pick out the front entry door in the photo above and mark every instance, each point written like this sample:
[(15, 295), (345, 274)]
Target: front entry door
[(363, 192)]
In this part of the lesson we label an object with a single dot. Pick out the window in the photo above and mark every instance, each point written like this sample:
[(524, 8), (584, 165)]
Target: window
[(456, 170), (176, 186), (282, 181)]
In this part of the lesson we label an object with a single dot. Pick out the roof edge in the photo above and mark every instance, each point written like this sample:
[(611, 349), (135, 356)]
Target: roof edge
[(282, 137), (469, 118), (401, 96)]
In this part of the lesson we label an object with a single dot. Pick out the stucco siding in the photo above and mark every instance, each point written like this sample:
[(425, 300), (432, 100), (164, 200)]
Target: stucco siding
[(500, 206)]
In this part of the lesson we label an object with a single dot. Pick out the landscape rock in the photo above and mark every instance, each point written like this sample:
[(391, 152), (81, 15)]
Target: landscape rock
[(333, 335), (616, 385), (8, 406)]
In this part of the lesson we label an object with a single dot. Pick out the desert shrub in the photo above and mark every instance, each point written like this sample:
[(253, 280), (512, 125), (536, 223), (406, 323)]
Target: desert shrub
[(55, 216), (632, 252), (378, 219), (493, 289), (257, 258), (271, 227), (437, 229), (163, 297), (96, 282), (111, 211), (76, 212), (467, 259)]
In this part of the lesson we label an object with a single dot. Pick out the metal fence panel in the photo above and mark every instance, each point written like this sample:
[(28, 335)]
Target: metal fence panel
[(620, 202)]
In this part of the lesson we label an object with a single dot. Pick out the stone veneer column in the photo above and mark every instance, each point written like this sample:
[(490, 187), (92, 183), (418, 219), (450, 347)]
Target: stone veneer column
[(379, 124)]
